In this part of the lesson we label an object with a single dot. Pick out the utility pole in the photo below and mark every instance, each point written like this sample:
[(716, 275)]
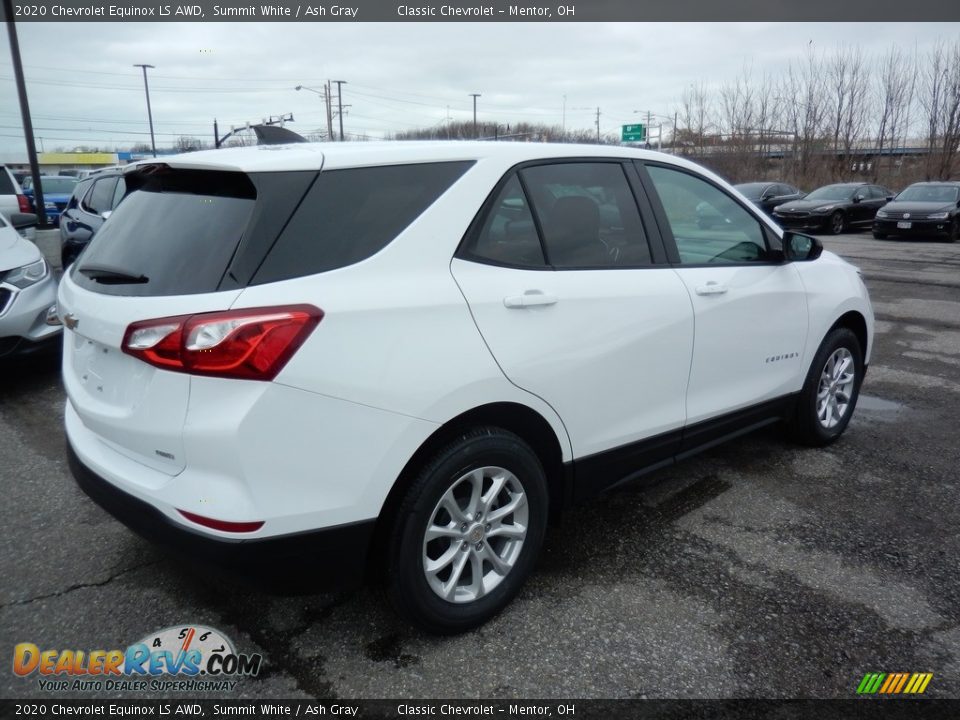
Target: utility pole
[(340, 84), (598, 125), (563, 120), (475, 96), (25, 114), (328, 100), (146, 89)]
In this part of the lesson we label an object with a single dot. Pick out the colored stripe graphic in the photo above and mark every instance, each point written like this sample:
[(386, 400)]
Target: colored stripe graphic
[(903, 680), (894, 683), (892, 679)]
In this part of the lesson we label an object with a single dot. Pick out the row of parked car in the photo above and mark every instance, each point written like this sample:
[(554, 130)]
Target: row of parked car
[(924, 209)]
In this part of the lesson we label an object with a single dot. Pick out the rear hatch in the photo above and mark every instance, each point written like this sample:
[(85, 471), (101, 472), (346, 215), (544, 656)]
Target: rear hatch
[(179, 244)]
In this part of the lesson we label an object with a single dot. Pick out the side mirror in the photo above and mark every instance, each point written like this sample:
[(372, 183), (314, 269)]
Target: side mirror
[(22, 221), (857, 198), (105, 214), (890, 199), (798, 247)]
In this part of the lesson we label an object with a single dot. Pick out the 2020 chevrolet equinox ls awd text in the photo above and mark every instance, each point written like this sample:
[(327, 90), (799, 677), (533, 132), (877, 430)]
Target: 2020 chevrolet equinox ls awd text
[(419, 353)]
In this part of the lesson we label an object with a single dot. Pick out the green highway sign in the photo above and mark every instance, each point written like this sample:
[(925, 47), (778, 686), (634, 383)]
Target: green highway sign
[(633, 133)]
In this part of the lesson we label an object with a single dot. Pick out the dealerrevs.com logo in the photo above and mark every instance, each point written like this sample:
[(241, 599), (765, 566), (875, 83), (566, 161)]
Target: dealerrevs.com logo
[(187, 658)]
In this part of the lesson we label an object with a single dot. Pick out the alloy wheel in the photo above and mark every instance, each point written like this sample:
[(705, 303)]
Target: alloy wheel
[(836, 388), (475, 534)]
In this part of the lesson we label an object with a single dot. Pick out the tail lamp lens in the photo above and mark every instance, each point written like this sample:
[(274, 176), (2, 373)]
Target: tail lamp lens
[(251, 344)]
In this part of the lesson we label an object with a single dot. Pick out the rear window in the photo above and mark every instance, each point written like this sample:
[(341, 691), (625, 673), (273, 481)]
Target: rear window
[(174, 234), (348, 215)]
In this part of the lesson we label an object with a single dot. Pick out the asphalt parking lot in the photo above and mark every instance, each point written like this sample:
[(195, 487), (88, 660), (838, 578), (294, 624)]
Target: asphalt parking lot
[(758, 569)]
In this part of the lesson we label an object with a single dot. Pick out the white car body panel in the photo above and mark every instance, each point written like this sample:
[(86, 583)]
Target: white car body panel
[(760, 315), (601, 339), (411, 339)]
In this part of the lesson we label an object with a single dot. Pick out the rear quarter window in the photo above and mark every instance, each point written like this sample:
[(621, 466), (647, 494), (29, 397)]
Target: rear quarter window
[(6, 183), (349, 215)]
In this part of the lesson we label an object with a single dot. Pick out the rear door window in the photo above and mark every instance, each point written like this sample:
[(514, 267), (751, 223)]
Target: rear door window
[(348, 215), (100, 197), (509, 235), (587, 214)]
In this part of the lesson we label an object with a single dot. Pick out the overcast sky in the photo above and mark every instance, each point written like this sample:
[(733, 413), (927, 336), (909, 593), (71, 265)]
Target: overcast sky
[(83, 89)]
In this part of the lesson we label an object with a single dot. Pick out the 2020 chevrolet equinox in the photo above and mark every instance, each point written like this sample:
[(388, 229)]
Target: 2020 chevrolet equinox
[(422, 352)]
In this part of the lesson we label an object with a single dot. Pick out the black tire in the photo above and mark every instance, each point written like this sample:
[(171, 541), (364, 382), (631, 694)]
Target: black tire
[(954, 231), (406, 583), (837, 223), (879, 235), (805, 427)]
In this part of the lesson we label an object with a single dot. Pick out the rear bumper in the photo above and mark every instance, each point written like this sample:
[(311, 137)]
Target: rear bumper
[(332, 558)]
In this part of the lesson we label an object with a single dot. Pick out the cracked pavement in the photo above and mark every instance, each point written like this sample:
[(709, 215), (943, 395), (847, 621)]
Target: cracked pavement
[(758, 569)]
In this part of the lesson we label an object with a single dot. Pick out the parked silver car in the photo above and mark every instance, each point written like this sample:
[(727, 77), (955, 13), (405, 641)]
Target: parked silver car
[(28, 292)]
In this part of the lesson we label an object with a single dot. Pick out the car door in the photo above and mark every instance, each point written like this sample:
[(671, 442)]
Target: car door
[(564, 283), (750, 307), (864, 208), (769, 198)]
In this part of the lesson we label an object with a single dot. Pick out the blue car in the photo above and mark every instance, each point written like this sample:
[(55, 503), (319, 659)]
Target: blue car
[(57, 190)]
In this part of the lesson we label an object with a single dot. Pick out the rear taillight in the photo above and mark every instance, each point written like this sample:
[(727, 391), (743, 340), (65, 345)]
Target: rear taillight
[(251, 344), (24, 204)]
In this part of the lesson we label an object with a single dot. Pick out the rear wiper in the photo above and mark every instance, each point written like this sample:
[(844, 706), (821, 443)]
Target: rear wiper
[(112, 276)]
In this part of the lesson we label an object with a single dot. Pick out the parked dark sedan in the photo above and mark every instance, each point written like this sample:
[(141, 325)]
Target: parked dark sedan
[(56, 193), (924, 209), (92, 202), (834, 208), (768, 195)]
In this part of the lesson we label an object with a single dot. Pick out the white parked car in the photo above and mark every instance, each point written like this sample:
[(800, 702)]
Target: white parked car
[(411, 356), (28, 293)]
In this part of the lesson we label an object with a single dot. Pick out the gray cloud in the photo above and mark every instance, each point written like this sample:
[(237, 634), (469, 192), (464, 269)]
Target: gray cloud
[(84, 90)]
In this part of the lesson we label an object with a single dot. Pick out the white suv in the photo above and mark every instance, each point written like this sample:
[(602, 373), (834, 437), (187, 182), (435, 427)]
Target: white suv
[(411, 356)]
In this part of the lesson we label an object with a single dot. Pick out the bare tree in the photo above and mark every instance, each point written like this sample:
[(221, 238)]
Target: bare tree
[(846, 76), (940, 100), (695, 115), (803, 95), (896, 83)]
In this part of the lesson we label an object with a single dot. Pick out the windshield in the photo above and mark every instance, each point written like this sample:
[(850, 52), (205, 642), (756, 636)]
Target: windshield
[(752, 190), (930, 193), (59, 185), (831, 192)]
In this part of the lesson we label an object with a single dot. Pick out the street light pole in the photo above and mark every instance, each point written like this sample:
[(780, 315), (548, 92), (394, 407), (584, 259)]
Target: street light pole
[(475, 96), (146, 89), (340, 84), (25, 114)]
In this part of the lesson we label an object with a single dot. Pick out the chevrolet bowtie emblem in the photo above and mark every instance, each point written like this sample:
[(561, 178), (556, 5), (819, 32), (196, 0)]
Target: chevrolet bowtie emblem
[(71, 321)]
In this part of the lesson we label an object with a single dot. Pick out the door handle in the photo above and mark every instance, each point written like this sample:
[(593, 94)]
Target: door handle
[(711, 288), (529, 299)]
